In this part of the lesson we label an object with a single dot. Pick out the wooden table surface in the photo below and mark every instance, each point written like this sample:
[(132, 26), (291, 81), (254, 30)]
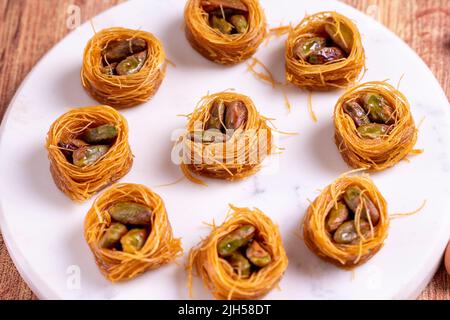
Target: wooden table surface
[(28, 28)]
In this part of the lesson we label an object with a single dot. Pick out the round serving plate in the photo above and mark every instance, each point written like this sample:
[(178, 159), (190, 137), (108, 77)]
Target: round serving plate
[(43, 229)]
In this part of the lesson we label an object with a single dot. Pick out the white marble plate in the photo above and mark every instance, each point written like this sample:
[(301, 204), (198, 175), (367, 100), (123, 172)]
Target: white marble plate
[(44, 230)]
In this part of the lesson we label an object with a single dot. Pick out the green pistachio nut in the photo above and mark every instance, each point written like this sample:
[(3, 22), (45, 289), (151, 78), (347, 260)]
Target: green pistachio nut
[(257, 255), (103, 134), (352, 198), (346, 233), (337, 216), (221, 24), (131, 213), (357, 113), (370, 211), (213, 5), (235, 115), (240, 264), (365, 230), (306, 46), (134, 240), (378, 109), (340, 33), (118, 50), (131, 65), (326, 55), (373, 130), (236, 239), (217, 115), (112, 235), (239, 22), (88, 155)]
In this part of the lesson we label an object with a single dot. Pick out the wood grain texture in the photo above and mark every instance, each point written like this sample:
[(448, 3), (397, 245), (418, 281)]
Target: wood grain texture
[(29, 28)]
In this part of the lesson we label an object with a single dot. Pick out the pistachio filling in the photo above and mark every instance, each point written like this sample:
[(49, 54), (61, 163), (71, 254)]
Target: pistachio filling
[(226, 16), (373, 116), (129, 229), (225, 117), (334, 43), (340, 221), (242, 250), (90, 146), (124, 57)]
